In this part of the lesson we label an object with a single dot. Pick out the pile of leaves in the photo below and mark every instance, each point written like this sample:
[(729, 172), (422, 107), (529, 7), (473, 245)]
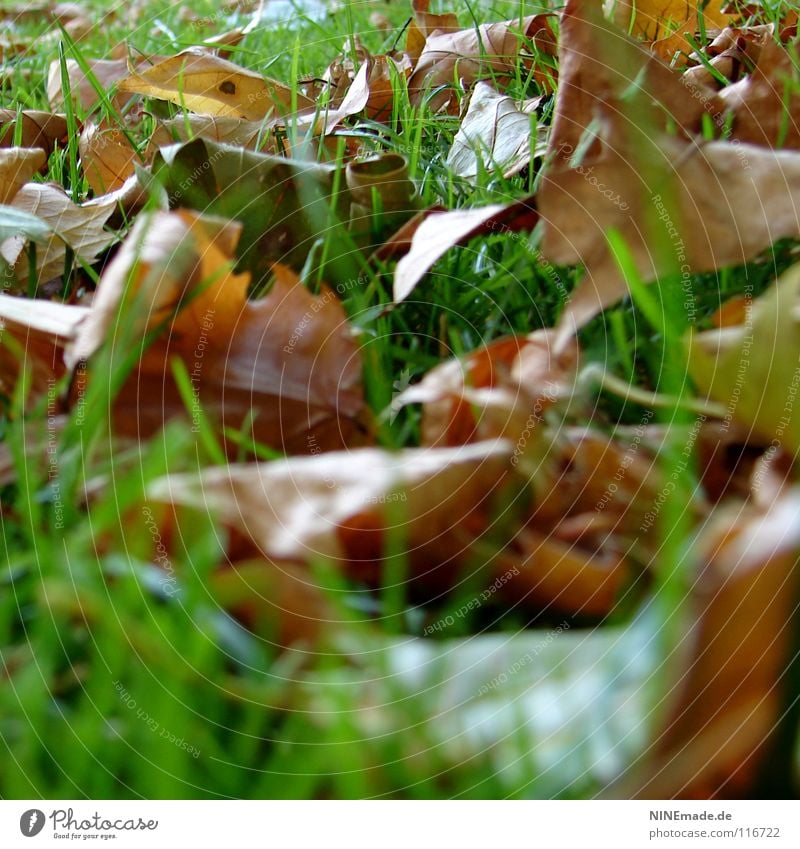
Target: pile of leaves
[(223, 249)]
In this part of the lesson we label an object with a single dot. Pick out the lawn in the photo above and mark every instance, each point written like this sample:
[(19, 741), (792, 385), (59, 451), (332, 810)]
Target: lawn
[(406, 412)]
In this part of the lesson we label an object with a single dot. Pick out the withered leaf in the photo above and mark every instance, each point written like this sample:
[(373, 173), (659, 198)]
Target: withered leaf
[(107, 158), (495, 131), (209, 85), (441, 231), (39, 129), (79, 227), (468, 54), (17, 166), (287, 358), (753, 368)]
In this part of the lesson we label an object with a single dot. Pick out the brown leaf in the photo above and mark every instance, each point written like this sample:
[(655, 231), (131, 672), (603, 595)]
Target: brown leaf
[(766, 104), (499, 390), (288, 358), (424, 24), (727, 700), (107, 158), (107, 72), (209, 85), (17, 166), (680, 206), (664, 22), (41, 330), (39, 129), (443, 230), (495, 132), (468, 54), (339, 505), (81, 228)]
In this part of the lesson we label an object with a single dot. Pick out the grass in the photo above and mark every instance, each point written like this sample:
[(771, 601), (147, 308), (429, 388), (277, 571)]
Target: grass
[(115, 686)]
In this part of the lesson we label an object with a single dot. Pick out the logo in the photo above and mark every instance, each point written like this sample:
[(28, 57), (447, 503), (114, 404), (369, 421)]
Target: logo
[(31, 822)]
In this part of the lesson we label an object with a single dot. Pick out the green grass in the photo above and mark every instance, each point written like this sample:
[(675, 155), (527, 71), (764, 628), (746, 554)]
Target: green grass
[(114, 686)]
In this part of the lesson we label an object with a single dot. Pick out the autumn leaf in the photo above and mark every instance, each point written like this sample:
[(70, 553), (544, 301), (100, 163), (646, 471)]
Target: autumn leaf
[(495, 132), (39, 331), (679, 205), (17, 166), (76, 227), (107, 158), (765, 104), (287, 359), (753, 368), (440, 231), (664, 23), (726, 701), (209, 85), (467, 54), (39, 129), (500, 390)]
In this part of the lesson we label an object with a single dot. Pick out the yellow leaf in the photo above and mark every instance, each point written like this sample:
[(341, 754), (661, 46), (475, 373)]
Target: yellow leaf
[(212, 86)]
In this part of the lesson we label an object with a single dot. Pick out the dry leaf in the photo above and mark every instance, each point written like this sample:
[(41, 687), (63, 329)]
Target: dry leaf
[(753, 368), (499, 390), (17, 166), (39, 129), (40, 330), (664, 22), (287, 358), (107, 158), (468, 54), (495, 132), (680, 206), (339, 505), (209, 85), (425, 23), (766, 104), (107, 73), (443, 230), (728, 700), (81, 228)]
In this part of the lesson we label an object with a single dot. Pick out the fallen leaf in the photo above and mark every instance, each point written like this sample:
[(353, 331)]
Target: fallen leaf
[(425, 23), (17, 166), (77, 227), (496, 133), (39, 330), (39, 129), (338, 504), (664, 23), (107, 73), (753, 368), (287, 359), (765, 104), (468, 54), (443, 230), (209, 85), (727, 698), (500, 390), (679, 205), (107, 158)]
